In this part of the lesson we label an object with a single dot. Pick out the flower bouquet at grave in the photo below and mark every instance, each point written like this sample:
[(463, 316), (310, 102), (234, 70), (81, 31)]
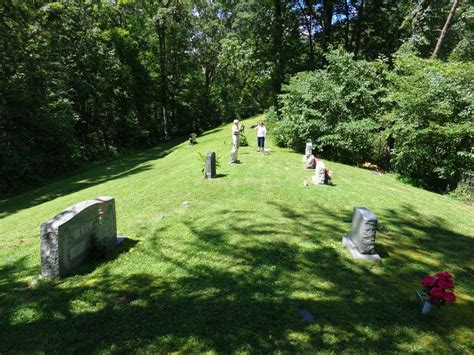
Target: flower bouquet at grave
[(438, 289)]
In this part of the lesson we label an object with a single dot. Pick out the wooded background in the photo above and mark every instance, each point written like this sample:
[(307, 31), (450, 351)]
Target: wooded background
[(83, 80)]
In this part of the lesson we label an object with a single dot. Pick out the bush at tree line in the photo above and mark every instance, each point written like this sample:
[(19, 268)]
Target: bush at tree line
[(351, 108)]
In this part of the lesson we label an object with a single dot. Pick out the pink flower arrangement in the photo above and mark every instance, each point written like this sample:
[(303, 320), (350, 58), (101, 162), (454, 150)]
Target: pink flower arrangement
[(439, 288)]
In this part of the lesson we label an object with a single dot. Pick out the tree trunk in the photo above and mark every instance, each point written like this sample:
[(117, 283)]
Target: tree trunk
[(207, 93), (164, 93), (346, 30), (277, 50), (358, 29), (308, 23), (327, 21), (445, 28)]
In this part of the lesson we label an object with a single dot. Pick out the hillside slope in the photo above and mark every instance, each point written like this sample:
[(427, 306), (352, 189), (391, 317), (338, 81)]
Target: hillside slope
[(233, 268)]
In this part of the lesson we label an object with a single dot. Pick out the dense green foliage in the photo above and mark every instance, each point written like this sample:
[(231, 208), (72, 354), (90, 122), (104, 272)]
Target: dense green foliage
[(415, 118), (231, 270), (336, 108), (431, 111), (82, 80)]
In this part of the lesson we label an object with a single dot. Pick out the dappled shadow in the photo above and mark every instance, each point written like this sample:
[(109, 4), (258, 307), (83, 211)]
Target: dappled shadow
[(122, 167), (429, 237), (240, 287), (93, 263)]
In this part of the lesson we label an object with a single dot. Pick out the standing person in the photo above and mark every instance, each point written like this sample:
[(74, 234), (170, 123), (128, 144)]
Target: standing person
[(236, 130), (261, 134)]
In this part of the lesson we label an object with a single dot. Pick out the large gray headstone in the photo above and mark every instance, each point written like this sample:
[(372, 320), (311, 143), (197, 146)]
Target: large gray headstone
[(308, 149), (320, 173), (361, 243), (67, 239), (210, 165), (364, 227)]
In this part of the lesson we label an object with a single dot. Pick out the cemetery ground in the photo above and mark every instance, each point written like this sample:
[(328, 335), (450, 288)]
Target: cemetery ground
[(230, 264)]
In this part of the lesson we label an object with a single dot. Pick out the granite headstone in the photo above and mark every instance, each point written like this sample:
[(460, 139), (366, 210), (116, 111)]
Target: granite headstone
[(210, 166), (67, 239), (361, 243), (320, 173)]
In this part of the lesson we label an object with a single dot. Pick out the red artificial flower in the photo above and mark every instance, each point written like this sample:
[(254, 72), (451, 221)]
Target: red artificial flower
[(428, 281), (444, 275), (443, 283), (436, 292), (449, 297)]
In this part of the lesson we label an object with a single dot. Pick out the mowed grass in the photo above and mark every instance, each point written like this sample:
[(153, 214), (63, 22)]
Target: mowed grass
[(231, 270)]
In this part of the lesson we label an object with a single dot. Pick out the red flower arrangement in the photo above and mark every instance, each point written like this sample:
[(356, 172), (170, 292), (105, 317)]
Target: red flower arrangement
[(439, 288)]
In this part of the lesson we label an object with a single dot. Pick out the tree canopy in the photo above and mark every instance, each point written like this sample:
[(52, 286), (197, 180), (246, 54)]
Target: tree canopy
[(82, 80)]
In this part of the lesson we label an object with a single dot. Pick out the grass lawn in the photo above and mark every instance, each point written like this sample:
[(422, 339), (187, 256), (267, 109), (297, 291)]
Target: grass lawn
[(231, 270)]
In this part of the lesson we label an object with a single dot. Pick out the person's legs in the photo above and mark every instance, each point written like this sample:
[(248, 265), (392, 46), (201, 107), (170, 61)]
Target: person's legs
[(235, 148), (233, 152)]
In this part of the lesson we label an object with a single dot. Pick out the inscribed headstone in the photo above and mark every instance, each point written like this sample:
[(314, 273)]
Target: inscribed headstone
[(210, 166), (67, 239), (364, 227)]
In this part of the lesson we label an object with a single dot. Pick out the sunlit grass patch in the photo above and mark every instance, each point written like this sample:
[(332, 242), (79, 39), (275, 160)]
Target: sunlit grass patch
[(230, 270)]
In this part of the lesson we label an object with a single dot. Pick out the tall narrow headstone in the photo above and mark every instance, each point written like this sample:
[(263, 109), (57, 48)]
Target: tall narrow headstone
[(68, 238), (308, 149), (210, 166), (361, 243)]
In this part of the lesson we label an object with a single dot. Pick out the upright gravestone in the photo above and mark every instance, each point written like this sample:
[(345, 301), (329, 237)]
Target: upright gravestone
[(320, 173), (361, 243), (308, 149), (210, 166), (68, 239)]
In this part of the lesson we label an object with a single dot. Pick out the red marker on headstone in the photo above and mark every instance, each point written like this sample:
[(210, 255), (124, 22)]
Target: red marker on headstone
[(101, 213)]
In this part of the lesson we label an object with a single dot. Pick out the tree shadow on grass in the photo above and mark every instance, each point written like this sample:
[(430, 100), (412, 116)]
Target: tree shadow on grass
[(93, 263), (122, 167), (407, 229), (239, 287)]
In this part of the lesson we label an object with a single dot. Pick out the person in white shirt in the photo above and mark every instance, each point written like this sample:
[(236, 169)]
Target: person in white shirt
[(236, 129), (261, 134)]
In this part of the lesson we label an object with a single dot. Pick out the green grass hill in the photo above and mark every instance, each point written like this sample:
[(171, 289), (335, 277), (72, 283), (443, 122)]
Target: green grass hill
[(231, 269)]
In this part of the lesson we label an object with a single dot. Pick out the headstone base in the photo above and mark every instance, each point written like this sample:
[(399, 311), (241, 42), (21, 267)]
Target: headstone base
[(349, 244), (120, 240), (317, 180)]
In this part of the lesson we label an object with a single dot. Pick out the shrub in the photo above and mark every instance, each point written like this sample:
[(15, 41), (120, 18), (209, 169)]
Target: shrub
[(335, 108), (431, 107)]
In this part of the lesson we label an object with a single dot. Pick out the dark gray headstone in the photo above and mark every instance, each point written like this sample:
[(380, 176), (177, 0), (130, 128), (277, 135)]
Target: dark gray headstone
[(210, 166), (67, 239), (364, 227)]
